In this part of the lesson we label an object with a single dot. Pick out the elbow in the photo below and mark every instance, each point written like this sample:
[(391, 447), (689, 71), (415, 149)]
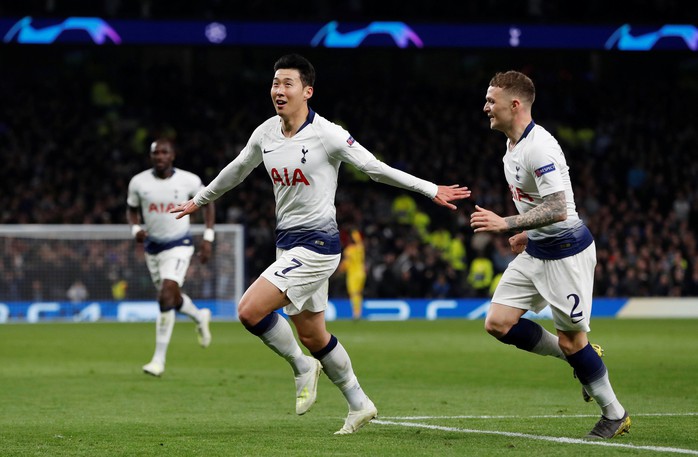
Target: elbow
[(372, 169), (374, 177), (560, 217)]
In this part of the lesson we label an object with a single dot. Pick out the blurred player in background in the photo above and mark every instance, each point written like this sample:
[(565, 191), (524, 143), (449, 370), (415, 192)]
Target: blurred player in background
[(556, 252), (353, 265), (168, 243), (302, 152)]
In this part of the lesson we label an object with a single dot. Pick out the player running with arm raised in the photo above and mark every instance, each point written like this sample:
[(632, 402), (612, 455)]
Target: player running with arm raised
[(302, 152)]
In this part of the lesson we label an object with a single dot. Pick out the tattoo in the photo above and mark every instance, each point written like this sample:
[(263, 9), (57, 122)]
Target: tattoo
[(553, 209)]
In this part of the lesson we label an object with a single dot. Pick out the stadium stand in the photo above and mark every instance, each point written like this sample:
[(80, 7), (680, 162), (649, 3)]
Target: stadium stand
[(75, 124)]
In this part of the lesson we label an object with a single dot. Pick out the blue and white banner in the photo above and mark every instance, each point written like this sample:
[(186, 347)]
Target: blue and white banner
[(338, 309)]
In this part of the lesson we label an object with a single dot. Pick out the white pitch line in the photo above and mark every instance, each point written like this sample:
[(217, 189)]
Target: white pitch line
[(541, 416), (553, 439)]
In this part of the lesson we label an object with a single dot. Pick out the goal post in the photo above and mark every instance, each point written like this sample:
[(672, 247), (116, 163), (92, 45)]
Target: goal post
[(91, 272)]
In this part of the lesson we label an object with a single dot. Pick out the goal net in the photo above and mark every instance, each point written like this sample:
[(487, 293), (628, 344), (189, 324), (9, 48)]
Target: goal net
[(84, 272)]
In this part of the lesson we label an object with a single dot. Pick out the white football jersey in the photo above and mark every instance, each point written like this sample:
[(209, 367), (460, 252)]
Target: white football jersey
[(156, 197), (534, 168), (303, 171)]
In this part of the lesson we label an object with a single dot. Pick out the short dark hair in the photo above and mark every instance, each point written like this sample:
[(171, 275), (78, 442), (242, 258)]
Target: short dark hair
[(516, 83), (300, 63)]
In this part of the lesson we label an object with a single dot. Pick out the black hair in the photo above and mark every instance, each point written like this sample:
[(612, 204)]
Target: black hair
[(300, 63)]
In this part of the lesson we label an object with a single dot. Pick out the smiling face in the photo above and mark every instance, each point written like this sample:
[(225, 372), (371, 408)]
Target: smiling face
[(499, 106), (508, 103), (288, 93)]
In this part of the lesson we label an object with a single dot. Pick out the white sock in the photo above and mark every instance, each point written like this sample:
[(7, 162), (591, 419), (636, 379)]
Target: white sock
[(163, 333), (601, 391), (549, 345), (281, 340), (337, 366), (189, 308)]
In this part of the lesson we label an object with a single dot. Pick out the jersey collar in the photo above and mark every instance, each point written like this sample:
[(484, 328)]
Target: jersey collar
[(525, 133), (308, 120)]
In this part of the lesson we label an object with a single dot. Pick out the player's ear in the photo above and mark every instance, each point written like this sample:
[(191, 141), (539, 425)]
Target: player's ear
[(307, 92)]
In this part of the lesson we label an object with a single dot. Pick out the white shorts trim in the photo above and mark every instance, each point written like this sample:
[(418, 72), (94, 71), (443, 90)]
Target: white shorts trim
[(304, 276), (169, 264), (566, 285)]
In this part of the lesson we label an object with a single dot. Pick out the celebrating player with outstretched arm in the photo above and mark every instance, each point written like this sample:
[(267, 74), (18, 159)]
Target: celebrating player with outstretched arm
[(302, 152)]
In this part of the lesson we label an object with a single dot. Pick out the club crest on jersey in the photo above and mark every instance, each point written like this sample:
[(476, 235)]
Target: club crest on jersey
[(350, 140), (545, 169), (285, 177), (304, 151)]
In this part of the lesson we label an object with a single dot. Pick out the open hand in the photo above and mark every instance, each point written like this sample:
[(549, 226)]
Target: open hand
[(185, 208), (447, 194)]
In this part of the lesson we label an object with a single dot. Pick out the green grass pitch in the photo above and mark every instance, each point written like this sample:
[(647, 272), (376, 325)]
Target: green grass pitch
[(442, 388)]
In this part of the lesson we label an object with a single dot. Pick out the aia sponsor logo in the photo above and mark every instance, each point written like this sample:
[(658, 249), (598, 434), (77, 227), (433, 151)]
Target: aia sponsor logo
[(161, 207), (286, 177)]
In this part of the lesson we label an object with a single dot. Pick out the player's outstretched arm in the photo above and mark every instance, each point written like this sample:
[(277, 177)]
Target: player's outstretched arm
[(185, 208), (447, 194)]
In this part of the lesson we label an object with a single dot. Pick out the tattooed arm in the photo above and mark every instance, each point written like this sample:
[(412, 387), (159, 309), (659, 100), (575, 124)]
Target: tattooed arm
[(553, 209)]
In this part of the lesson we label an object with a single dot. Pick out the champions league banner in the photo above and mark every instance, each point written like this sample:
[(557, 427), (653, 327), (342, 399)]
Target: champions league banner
[(334, 34), (338, 309)]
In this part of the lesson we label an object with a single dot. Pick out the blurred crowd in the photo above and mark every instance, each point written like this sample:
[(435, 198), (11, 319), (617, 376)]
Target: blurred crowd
[(76, 124)]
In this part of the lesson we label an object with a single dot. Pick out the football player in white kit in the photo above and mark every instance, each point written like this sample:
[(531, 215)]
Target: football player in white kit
[(152, 194), (556, 252), (302, 152)]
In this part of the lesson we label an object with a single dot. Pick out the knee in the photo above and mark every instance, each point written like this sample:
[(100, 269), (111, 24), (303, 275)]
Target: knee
[(246, 313), (250, 313), (169, 297), (496, 328)]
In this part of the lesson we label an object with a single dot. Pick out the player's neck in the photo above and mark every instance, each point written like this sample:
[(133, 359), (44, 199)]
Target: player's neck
[(164, 174), (517, 130), (291, 124)]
